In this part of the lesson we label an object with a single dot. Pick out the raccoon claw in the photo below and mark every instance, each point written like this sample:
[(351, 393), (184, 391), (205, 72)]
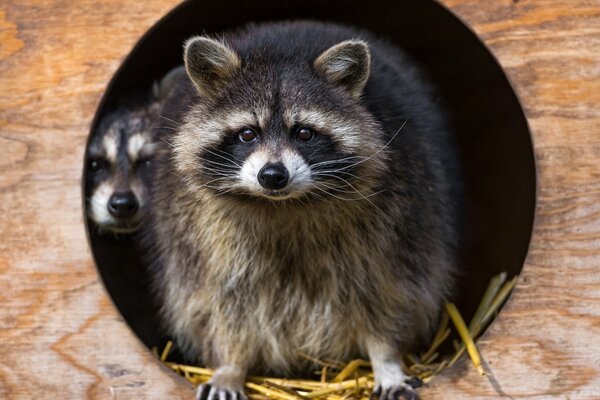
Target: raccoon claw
[(400, 392), (414, 382), (208, 391)]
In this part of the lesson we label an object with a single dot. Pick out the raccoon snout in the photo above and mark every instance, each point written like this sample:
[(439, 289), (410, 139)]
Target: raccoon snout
[(123, 204), (273, 176)]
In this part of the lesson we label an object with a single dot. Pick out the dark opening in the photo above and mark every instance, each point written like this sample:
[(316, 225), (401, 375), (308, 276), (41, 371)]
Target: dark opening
[(492, 131)]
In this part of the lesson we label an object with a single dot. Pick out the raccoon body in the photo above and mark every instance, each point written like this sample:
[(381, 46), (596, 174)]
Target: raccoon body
[(309, 203)]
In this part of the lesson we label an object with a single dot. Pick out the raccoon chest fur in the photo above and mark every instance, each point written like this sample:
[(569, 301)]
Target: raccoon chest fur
[(283, 283)]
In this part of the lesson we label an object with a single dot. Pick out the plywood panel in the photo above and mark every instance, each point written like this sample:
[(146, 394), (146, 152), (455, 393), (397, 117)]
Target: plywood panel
[(60, 337)]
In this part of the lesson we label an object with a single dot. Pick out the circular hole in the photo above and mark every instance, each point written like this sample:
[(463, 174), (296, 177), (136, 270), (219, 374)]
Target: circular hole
[(492, 132)]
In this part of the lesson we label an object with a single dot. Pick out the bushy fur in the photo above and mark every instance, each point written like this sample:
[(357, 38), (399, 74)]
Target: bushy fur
[(358, 261)]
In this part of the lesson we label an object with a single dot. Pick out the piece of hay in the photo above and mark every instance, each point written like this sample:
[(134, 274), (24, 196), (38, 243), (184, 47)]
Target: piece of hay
[(354, 380), (465, 335)]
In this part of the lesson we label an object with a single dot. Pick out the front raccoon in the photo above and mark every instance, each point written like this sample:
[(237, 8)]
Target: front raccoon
[(307, 204)]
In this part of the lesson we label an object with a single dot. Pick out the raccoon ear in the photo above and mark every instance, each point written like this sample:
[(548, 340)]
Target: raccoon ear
[(161, 89), (209, 63), (346, 64)]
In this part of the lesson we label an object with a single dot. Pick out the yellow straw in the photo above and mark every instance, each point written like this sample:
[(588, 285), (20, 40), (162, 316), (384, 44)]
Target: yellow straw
[(166, 350), (271, 392), (463, 331), (491, 291), (349, 370), (338, 387)]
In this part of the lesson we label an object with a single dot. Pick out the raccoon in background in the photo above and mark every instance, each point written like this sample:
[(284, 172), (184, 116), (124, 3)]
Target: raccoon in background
[(309, 203), (120, 153), (117, 188)]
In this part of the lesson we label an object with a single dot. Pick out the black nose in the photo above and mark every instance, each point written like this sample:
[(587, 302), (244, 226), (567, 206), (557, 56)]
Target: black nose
[(273, 176), (123, 204)]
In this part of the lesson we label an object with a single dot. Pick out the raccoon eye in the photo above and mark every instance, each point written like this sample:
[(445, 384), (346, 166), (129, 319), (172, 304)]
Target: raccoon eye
[(96, 165), (305, 134), (143, 162), (247, 135)]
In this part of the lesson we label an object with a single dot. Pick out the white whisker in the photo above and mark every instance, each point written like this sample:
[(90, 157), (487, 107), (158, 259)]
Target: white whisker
[(223, 157)]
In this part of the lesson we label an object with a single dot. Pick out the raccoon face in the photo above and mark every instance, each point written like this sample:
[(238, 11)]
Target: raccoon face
[(117, 170), (279, 129)]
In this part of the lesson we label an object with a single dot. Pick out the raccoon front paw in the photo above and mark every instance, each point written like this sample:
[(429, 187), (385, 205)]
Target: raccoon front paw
[(210, 391), (399, 392)]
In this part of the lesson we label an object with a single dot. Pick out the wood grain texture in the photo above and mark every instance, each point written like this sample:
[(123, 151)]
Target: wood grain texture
[(546, 342), (60, 336)]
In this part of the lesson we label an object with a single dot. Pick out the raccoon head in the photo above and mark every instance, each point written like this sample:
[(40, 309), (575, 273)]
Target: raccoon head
[(278, 127), (117, 170), (119, 155)]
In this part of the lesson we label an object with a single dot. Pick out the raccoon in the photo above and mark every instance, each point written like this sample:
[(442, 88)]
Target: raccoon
[(120, 153), (309, 203)]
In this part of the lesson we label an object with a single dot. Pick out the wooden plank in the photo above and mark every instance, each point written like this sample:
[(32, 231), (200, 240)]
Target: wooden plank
[(60, 337), (546, 343)]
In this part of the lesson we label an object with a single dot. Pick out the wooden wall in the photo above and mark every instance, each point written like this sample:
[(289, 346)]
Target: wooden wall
[(60, 336)]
